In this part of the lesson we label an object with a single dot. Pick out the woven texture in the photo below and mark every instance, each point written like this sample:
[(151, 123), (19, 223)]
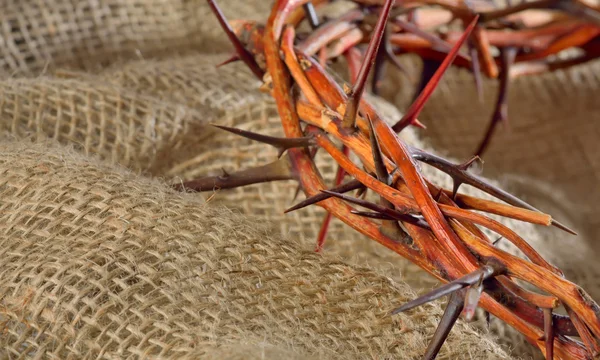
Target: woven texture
[(136, 86), (98, 262)]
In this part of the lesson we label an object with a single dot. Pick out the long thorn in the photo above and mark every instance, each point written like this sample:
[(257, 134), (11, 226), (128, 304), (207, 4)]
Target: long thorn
[(467, 280), (233, 58), (359, 87), (311, 15), (372, 215), (455, 172), (277, 170), (501, 110), (349, 186), (414, 110), (381, 209), (451, 314), (379, 67), (280, 143), (548, 334), (244, 54)]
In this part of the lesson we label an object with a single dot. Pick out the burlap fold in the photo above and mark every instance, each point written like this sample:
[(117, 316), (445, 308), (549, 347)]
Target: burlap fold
[(98, 262)]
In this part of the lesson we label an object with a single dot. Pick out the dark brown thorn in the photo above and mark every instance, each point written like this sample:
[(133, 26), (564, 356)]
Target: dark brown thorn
[(548, 334), (460, 283), (488, 319), (451, 314), (470, 179), (379, 66), (501, 110), (282, 144), (415, 109), (233, 58), (225, 173), (244, 54), (472, 298), (563, 227), (349, 186), (389, 228), (497, 241), (372, 215), (380, 168), (362, 192), (476, 69), (311, 15), (277, 170), (355, 95), (430, 66), (456, 182), (389, 54), (397, 215), (437, 43)]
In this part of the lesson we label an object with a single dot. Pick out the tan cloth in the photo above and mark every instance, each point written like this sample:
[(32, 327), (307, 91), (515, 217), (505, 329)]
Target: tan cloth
[(136, 86)]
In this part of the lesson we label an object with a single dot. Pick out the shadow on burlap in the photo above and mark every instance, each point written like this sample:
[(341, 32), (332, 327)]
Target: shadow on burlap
[(148, 111)]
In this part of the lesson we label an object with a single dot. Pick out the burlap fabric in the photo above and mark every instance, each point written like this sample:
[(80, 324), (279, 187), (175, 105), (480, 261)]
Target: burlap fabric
[(136, 86)]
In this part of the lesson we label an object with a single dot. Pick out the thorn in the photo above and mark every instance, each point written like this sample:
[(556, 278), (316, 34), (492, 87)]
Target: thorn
[(353, 102), (472, 298), (397, 215), (501, 109), (389, 53), (488, 319), (372, 215), (362, 192), (476, 69), (497, 241), (282, 144), (233, 58), (349, 186), (379, 67), (416, 107), (563, 227), (311, 15), (451, 287), (467, 164), (225, 173), (455, 185), (451, 314), (277, 170), (380, 168), (244, 54), (548, 334)]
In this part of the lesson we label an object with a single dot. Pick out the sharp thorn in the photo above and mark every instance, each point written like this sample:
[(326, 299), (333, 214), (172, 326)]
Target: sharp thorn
[(500, 111), (467, 164), (451, 314), (415, 109), (379, 67), (476, 69), (277, 170), (472, 298), (244, 54), (349, 186), (497, 241), (488, 319), (225, 173), (323, 232), (233, 58), (372, 215), (352, 105), (563, 227), (397, 215), (453, 286), (548, 334), (455, 186), (361, 193), (311, 15), (380, 168), (389, 53), (282, 144)]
